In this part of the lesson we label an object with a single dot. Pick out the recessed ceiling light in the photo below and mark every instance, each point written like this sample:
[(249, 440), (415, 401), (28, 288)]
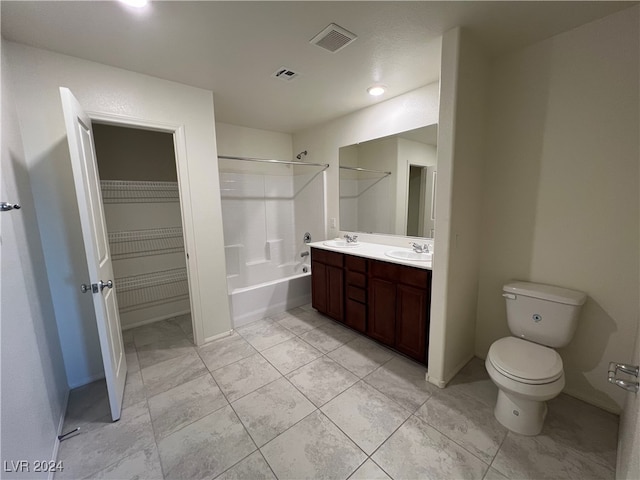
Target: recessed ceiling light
[(376, 90), (136, 3)]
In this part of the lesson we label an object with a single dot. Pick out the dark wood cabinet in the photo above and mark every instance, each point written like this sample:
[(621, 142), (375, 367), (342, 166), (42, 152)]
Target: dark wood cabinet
[(400, 299), (327, 283), (355, 271), (386, 301)]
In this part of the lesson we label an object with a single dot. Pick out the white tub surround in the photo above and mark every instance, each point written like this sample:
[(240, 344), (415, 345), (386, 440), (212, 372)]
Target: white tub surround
[(375, 251), (253, 303)]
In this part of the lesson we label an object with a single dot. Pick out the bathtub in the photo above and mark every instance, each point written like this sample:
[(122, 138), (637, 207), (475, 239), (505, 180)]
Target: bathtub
[(254, 302)]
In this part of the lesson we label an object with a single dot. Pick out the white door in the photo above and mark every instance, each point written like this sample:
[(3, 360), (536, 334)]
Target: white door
[(628, 464), (96, 245)]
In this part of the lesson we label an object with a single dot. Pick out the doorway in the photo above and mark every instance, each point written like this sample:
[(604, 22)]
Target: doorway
[(420, 201), (139, 185)]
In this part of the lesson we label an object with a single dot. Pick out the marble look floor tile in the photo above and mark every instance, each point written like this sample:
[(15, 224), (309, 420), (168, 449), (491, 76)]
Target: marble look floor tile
[(184, 404), (133, 389), (85, 404), (102, 443), (367, 416), (465, 420), (404, 381), (313, 448), (270, 410), (290, 355), (155, 332), (361, 356), (417, 450), (328, 337), (127, 336), (493, 474), (129, 346), (245, 376), (264, 334), (162, 350), (185, 323), (133, 365), (322, 380), (254, 467), (225, 351), (141, 465), (170, 373), (369, 471), (526, 457), (588, 430), (205, 448), (300, 321), (474, 381)]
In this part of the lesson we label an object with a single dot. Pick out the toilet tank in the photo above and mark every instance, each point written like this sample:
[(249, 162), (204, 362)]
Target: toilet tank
[(543, 314)]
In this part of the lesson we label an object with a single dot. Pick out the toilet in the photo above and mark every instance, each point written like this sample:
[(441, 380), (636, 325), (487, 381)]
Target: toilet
[(525, 367)]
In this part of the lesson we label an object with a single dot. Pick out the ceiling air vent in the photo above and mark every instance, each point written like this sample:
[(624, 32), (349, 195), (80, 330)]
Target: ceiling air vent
[(284, 73), (333, 38)]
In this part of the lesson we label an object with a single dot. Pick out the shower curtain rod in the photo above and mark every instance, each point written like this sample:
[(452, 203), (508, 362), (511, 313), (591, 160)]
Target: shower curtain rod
[(358, 169), (268, 160)]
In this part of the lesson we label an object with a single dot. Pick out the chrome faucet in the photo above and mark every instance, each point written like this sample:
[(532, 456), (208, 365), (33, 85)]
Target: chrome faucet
[(351, 238), (304, 254), (420, 248)]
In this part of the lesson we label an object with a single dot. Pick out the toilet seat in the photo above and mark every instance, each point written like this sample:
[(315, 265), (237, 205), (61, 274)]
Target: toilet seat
[(525, 362)]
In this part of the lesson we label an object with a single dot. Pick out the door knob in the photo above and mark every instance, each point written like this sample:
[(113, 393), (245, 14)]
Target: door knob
[(84, 288), (103, 285), (629, 385)]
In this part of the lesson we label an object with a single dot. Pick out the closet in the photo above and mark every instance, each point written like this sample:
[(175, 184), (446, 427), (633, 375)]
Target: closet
[(142, 210)]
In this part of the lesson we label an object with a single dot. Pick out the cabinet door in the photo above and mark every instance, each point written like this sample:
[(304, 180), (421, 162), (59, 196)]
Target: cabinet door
[(335, 292), (319, 286), (382, 311), (411, 321)]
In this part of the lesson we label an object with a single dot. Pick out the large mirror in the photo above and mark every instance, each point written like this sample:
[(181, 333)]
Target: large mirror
[(387, 185)]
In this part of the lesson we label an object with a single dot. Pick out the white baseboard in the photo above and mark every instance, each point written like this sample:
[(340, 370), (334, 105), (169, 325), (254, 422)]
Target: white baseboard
[(155, 319), (56, 444), (218, 336)]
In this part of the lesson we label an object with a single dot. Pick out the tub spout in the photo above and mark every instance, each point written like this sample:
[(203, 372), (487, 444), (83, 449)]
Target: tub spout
[(304, 254)]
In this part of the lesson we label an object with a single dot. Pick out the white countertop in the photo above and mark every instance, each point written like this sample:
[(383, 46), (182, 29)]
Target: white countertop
[(375, 251)]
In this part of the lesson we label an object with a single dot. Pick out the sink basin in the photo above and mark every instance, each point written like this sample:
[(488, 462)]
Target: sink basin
[(406, 254), (340, 244)]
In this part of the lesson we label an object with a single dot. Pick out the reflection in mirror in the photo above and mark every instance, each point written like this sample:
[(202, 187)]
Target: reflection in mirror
[(387, 185)]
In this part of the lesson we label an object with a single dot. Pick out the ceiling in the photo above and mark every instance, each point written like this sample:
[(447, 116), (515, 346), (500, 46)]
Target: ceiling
[(234, 47)]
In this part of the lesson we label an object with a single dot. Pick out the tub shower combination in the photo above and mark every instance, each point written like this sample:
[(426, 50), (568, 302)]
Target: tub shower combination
[(266, 207)]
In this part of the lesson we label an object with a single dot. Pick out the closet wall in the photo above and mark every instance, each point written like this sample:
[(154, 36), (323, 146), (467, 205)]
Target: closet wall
[(142, 210)]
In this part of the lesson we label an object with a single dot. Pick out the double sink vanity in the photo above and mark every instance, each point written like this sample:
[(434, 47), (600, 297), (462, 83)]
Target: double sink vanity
[(383, 292)]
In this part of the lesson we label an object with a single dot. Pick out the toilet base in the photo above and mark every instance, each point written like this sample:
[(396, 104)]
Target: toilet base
[(520, 415)]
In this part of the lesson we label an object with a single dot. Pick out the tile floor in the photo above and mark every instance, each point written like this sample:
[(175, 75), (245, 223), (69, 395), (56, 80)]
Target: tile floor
[(297, 396)]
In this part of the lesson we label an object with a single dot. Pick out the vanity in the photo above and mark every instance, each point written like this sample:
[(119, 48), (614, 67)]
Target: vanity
[(371, 288)]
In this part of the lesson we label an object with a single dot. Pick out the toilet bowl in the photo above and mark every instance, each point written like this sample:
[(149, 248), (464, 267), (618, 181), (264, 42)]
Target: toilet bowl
[(527, 375), (526, 370)]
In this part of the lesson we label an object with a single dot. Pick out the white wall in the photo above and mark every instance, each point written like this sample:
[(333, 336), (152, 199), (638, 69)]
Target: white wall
[(37, 75), (34, 385), (561, 184), (458, 194)]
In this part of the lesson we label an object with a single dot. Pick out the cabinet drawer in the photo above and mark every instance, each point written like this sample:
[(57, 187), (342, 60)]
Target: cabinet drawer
[(327, 257), (356, 264), (357, 294), (356, 279), (356, 315), (416, 277)]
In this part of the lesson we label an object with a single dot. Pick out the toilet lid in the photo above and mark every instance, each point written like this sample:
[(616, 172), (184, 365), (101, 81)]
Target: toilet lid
[(524, 361)]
